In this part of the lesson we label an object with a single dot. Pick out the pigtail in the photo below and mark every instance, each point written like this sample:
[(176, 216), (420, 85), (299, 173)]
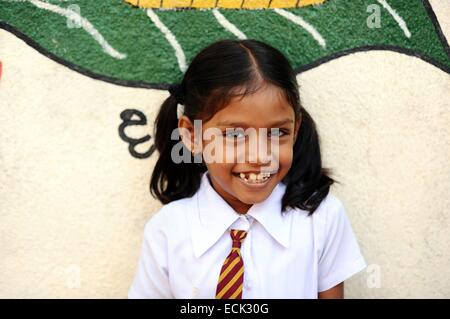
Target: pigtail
[(171, 181), (307, 182)]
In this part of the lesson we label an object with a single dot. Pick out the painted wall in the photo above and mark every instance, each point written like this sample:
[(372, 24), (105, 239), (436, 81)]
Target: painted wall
[(78, 97)]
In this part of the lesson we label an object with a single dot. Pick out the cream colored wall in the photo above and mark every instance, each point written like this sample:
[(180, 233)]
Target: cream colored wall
[(73, 201), (388, 141)]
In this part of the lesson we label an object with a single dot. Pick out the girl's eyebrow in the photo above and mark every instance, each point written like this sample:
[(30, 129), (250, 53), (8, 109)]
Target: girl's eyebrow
[(241, 124)]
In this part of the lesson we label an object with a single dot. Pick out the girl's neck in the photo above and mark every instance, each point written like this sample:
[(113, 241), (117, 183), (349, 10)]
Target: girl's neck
[(238, 206)]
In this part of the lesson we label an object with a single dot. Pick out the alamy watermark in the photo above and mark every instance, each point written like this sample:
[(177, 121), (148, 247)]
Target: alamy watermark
[(235, 145)]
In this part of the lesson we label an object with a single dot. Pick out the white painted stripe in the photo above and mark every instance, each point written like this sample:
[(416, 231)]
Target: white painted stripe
[(397, 18), (84, 23), (305, 25), (179, 53), (228, 25)]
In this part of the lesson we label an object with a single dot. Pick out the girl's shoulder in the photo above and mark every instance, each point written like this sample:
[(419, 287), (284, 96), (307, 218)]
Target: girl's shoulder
[(331, 217), (170, 217), (330, 205), (333, 204), (329, 214)]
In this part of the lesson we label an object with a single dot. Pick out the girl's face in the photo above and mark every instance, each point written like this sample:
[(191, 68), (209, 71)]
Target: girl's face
[(246, 118)]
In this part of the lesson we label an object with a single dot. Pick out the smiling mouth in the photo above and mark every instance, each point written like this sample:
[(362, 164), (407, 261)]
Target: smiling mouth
[(254, 178)]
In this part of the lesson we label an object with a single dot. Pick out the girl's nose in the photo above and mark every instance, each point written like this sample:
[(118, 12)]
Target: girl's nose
[(261, 153), (262, 158)]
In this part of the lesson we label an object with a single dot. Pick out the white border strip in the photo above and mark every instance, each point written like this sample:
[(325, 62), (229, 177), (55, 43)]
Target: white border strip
[(179, 53), (305, 25), (397, 18), (84, 23), (228, 25)]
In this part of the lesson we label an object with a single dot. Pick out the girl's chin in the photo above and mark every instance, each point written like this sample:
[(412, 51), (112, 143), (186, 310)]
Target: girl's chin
[(252, 198)]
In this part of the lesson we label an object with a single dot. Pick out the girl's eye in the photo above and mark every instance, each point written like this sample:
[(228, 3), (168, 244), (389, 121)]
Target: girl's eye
[(235, 134), (277, 132)]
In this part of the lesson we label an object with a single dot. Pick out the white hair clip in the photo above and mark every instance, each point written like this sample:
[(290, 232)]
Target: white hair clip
[(180, 110)]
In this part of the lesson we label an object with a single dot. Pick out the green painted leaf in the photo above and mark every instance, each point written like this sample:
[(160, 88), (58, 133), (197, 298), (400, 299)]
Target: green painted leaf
[(151, 61)]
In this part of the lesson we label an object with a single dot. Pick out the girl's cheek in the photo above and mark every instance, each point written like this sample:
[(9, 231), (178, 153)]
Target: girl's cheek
[(286, 155), (214, 151)]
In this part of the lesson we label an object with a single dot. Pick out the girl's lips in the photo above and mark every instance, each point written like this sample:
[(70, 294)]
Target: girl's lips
[(253, 185), (254, 172)]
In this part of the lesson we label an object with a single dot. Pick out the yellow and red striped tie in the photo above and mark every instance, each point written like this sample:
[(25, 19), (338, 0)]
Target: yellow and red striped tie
[(231, 276)]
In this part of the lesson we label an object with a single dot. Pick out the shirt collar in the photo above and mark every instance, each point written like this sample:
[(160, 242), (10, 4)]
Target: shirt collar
[(213, 216)]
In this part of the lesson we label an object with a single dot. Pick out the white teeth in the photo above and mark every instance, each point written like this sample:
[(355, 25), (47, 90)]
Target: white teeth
[(253, 178)]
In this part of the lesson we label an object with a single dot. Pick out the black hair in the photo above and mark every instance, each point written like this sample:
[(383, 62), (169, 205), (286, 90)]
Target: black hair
[(208, 85)]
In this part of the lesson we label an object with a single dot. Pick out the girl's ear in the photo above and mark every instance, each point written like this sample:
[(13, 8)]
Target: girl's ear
[(186, 129), (187, 134), (297, 128)]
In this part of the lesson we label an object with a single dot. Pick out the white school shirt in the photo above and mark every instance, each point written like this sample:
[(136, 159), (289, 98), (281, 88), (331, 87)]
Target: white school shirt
[(285, 256)]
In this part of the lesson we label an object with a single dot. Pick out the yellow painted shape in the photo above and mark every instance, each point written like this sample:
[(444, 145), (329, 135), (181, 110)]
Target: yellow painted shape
[(176, 3), (284, 3), (203, 3), (228, 4), (255, 4), (304, 3), (148, 3)]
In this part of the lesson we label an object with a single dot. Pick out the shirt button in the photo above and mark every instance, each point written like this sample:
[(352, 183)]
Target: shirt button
[(248, 284), (195, 291)]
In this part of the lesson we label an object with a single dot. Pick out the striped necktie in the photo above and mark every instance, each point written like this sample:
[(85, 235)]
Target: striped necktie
[(231, 276)]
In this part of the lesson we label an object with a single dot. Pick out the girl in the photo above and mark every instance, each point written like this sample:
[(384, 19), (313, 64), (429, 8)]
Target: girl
[(256, 226)]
